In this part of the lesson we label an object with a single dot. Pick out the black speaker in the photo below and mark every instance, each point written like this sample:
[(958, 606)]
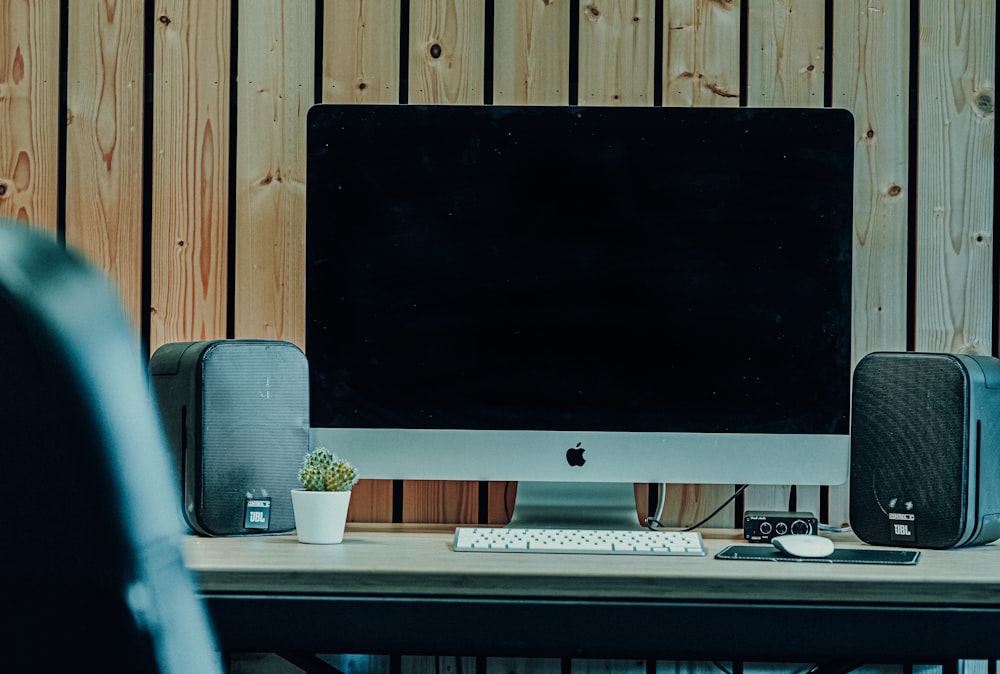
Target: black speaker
[(925, 450), (236, 415)]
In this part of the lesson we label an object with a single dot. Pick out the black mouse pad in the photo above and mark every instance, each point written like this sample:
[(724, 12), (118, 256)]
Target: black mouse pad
[(839, 556)]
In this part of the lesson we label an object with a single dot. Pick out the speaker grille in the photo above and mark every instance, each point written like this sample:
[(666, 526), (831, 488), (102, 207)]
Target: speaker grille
[(910, 450), (255, 431)]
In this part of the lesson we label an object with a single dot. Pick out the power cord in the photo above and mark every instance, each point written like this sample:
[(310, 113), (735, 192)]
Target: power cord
[(833, 529), (654, 523)]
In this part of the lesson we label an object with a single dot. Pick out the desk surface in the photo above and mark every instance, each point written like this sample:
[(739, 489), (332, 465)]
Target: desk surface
[(385, 579)]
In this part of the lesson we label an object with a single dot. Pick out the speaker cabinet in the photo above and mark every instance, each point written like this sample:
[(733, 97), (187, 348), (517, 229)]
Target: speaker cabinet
[(236, 415), (925, 450)]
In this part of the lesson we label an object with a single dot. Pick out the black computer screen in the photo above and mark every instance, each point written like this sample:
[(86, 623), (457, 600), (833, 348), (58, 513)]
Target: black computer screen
[(579, 268)]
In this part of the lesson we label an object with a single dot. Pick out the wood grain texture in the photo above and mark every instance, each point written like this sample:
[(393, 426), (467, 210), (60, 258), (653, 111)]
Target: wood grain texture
[(446, 51), (531, 52), (29, 112), (429, 501), (276, 63), (785, 53), (617, 52), (871, 79), (104, 142), (687, 504), (701, 53), (396, 560), (371, 501), (361, 51), (501, 497), (956, 158), (190, 190)]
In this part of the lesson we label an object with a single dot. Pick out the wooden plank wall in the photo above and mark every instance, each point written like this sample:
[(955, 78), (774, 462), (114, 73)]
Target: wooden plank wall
[(165, 140)]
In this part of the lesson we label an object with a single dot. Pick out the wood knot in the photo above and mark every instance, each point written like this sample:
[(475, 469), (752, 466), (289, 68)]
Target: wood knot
[(894, 190), (985, 103), (3, 189), (435, 51), (164, 19)]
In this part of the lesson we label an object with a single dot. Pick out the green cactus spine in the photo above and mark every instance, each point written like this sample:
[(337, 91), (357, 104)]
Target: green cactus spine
[(322, 470)]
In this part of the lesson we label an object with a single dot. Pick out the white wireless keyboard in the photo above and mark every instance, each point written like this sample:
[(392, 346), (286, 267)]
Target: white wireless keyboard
[(585, 541)]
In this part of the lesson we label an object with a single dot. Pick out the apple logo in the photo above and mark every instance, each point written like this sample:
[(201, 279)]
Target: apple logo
[(574, 455)]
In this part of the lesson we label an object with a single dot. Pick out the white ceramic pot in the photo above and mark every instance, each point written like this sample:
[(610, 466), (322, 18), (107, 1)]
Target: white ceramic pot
[(320, 516)]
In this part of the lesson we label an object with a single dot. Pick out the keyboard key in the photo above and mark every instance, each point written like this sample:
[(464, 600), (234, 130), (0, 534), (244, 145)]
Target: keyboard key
[(579, 541)]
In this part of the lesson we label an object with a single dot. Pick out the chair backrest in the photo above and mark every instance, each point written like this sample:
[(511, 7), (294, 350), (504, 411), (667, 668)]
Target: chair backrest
[(91, 563)]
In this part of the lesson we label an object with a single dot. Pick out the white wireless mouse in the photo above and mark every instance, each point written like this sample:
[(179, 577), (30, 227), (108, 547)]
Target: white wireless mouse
[(803, 545)]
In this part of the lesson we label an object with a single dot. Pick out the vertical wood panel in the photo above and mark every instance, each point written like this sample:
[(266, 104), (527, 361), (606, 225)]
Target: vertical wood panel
[(29, 111), (104, 141), (871, 79), (446, 66), (360, 64), (785, 53), (191, 79), (275, 91), (701, 53), (785, 67), (446, 51), (531, 53), (955, 171), (361, 51), (688, 504), (617, 52)]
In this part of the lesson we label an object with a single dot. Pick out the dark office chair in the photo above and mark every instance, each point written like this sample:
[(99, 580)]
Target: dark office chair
[(92, 576)]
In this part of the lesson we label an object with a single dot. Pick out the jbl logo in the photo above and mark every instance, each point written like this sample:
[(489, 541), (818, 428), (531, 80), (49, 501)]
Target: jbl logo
[(903, 527), (257, 513)]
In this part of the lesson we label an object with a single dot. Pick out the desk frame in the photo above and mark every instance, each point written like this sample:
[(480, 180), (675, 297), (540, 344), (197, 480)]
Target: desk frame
[(415, 607), (600, 629)]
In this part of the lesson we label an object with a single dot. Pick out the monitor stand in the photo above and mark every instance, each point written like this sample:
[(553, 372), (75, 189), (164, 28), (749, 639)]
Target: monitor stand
[(575, 505)]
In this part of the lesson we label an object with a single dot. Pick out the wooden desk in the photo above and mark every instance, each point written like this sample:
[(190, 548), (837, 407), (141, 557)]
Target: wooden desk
[(401, 589)]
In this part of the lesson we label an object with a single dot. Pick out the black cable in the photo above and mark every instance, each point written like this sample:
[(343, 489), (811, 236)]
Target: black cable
[(653, 524), (506, 510)]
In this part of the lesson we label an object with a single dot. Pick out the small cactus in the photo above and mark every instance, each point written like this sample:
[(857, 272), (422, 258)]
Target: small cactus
[(340, 476), (322, 470)]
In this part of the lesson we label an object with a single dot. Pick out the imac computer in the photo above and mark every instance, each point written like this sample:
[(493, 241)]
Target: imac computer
[(581, 298)]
